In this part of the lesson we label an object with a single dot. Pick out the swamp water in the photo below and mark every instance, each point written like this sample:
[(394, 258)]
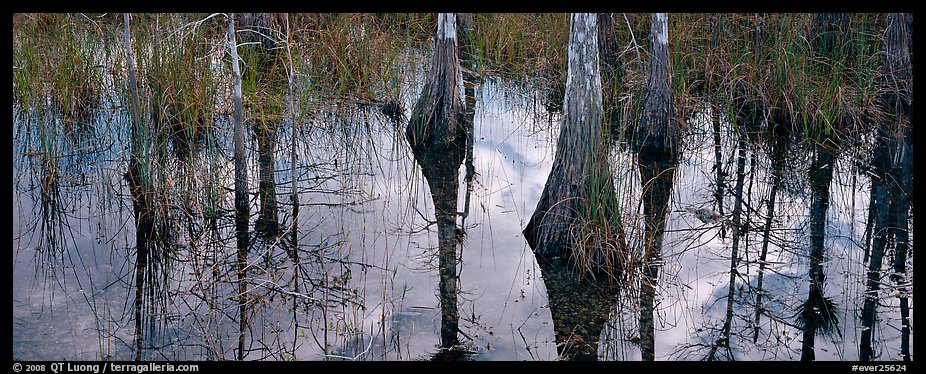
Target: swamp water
[(366, 286)]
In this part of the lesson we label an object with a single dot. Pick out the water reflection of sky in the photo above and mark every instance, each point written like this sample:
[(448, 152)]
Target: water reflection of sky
[(85, 310)]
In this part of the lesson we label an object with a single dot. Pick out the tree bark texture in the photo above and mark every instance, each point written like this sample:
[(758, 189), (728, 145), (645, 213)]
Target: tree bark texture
[(242, 207), (657, 162), (437, 135), (577, 217), (575, 230), (658, 131)]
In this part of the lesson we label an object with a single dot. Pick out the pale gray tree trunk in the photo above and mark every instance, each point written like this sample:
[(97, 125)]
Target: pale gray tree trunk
[(437, 135), (575, 230), (139, 185), (579, 192), (242, 207), (657, 158)]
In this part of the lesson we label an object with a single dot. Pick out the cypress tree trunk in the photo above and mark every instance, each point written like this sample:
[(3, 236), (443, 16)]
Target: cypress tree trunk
[(578, 199), (611, 73), (660, 135), (880, 232), (893, 171), (139, 186), (899, 58), (294, 197), (817, 312), (265, 71), (575, 230), (437, 135), (470, 80), (778, 152), (242, 208), (657, 159)]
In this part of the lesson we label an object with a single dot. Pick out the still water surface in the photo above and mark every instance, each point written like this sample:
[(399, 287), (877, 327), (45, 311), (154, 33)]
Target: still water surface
[(368, 280)]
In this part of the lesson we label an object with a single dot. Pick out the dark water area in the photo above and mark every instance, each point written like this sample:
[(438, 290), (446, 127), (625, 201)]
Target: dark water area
[(367, 283)]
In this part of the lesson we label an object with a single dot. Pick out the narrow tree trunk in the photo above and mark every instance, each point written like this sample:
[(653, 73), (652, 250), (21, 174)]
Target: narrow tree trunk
[(294, 196), (778, 153), (898, 76), (724, 340), (242, 208), (892, 167), (657, 160), (611, 73), (470, 80), (900, 208), (816, 312), (607, 42), (262, 54), (880, 233), (140, 188)]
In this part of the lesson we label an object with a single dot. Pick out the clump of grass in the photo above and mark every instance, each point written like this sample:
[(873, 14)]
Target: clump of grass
[(800, 70), (520, 45), (355, 56), (599, 252), (57, 67), (820, 312), (180, 82)]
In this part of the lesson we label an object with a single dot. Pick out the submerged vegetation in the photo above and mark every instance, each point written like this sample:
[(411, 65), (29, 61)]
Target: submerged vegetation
[(197, 122)]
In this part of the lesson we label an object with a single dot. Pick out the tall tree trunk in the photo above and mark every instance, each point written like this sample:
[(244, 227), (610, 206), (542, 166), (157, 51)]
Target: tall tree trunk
[(437, 135), (470, 80), (242, 207), (611, 73), (900, 207), (578, 199), (661, 133), (779, 148), (265, 71), (139, 185), (294, 196), (724, 340), (898, 77), (880, 233), (892, 166), (657, 160), (816, 312), (575, 230)]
